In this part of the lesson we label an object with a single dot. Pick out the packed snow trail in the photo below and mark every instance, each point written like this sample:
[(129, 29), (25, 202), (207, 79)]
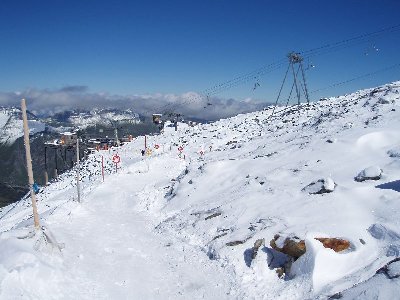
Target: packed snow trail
[(112, 252)]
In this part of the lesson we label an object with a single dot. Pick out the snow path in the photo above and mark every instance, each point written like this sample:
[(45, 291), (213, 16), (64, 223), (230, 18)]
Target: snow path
[(129, 259)]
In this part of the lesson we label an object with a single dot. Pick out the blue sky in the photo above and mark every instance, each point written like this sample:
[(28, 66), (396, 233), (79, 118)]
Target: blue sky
[(148, 47)]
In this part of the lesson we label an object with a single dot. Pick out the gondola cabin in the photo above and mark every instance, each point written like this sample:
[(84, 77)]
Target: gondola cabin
[(157, 118), (68, 138)]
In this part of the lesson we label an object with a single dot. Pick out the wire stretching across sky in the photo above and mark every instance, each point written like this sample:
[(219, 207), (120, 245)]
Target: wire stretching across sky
[(321, 50), (358, 77), (245, 78), (350, 42), (324, 49)]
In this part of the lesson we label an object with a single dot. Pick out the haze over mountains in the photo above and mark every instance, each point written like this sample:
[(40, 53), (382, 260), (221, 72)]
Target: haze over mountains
[(44, 103)]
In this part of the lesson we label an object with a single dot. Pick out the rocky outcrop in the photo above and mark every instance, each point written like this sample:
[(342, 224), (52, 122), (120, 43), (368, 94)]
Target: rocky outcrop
[(321, 186), (292, 246), (295, 247), (335, 244), (371, 173), (257, 244), (394, 152)]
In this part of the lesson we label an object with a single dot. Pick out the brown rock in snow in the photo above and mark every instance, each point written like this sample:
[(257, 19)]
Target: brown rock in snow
[(335, 244)]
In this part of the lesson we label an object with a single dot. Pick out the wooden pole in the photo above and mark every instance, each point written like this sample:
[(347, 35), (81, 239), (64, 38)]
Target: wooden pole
[(102, 167), (29, 163), (55, 161), (145, 142), (77, 170), (46, 175), (116, 137)]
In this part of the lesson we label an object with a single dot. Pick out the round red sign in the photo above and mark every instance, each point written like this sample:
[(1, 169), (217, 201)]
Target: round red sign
[(116, 159)]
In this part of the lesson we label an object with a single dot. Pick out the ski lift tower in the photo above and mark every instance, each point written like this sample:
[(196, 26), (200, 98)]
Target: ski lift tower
[(114, 124), (295, 58)]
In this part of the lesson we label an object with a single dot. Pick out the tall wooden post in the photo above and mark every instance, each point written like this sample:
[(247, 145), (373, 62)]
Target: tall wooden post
[(77, 170), (46, 175), (102, 167), (55, 161), (29, 163), (145, 142)]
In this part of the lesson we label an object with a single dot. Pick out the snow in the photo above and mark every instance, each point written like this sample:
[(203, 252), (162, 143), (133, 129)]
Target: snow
[(174, 225), (329, 184), (11, 125), (102, 116), (373, 171)]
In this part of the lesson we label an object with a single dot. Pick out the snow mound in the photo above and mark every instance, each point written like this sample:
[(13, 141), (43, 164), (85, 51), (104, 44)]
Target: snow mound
[(378, 140), (323, 265), (370, 173)]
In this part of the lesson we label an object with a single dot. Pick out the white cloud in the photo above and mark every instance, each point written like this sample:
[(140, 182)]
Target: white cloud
[(190, 104)]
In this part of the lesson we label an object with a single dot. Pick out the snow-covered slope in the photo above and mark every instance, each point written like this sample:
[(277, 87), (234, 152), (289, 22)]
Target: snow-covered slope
[(11, 126), (83, 119), (182, 225)]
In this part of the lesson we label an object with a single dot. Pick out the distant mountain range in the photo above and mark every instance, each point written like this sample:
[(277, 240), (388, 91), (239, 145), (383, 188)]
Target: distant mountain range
[(96, 122), (82, 119)]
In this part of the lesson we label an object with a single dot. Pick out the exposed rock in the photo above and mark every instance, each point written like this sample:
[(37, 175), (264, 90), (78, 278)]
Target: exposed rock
[(219, 236), (335, 244), (257, 245), (280, 272), (321, 186), (376, 90), (271, 154), (391, 269), (291, 246), (294, 247), (213, 216), (235, 243), (394, 153), (371, 173), (336, 296), (383, 101), (348, 125)]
